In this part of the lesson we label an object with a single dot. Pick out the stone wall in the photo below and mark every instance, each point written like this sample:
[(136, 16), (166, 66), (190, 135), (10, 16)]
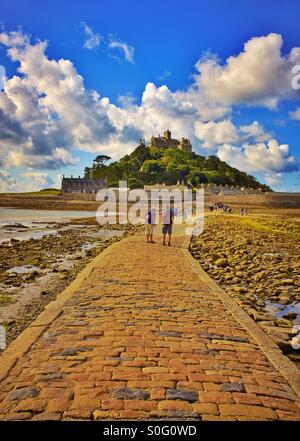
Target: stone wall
[(286, 200)]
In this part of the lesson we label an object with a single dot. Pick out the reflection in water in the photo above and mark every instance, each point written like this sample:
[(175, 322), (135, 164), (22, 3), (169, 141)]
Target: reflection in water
[(279, 310)]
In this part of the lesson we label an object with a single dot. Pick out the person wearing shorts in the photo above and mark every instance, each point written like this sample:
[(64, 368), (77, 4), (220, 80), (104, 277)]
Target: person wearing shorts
[(150, 225), (167, 220)]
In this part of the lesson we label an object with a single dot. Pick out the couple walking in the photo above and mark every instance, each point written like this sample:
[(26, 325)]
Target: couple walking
[(167, 221)]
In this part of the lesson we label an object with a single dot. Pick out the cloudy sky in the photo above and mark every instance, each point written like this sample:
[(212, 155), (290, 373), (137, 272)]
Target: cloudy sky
[(83, 78)]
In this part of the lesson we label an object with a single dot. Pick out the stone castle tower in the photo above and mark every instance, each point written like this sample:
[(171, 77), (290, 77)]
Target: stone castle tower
[(167, 142)]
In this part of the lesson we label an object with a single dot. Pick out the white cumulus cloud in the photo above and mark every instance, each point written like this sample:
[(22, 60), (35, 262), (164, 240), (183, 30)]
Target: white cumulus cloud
[(260, 157), (255, 131), (260, 74), (39, 179), (212, 133), (273, 179)]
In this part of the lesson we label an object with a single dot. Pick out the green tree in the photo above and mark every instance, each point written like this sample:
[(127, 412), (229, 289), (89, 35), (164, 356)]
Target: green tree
[(195, 178), (87, 172), (151, 166), (135, 183), (141, 154), (212, 163), (101, 160)]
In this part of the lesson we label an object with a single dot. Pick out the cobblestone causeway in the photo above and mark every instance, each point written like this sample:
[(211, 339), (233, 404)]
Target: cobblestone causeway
[(143, 337)]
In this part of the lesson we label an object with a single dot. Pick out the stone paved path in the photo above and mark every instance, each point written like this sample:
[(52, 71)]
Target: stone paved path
[(143, 337)]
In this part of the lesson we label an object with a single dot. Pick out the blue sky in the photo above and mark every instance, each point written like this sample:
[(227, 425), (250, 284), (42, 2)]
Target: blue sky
[(117, 48)]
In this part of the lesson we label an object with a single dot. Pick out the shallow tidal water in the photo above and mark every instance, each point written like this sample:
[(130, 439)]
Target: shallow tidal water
[(26, 215), (16, 223)]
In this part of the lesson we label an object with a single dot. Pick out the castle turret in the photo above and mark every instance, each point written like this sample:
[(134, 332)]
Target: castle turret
[(185, 145), (167, 134)]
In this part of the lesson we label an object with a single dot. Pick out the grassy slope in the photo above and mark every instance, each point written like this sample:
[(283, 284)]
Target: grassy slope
[(41, 193)]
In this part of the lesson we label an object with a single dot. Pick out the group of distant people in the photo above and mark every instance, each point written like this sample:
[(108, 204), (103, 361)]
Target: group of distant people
[(220, 206), (225, 208)]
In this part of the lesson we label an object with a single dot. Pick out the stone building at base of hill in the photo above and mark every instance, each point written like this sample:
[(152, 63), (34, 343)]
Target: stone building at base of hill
[(82, 185), (167, 142)]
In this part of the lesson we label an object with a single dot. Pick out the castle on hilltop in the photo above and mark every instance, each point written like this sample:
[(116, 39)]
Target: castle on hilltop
[(167, 142), (92, 186)]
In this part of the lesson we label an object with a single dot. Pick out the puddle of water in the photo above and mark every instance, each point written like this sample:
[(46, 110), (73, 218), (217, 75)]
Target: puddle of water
[(26, 234), (23, 269), (87, 246), (279, 310), (39, 234)]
